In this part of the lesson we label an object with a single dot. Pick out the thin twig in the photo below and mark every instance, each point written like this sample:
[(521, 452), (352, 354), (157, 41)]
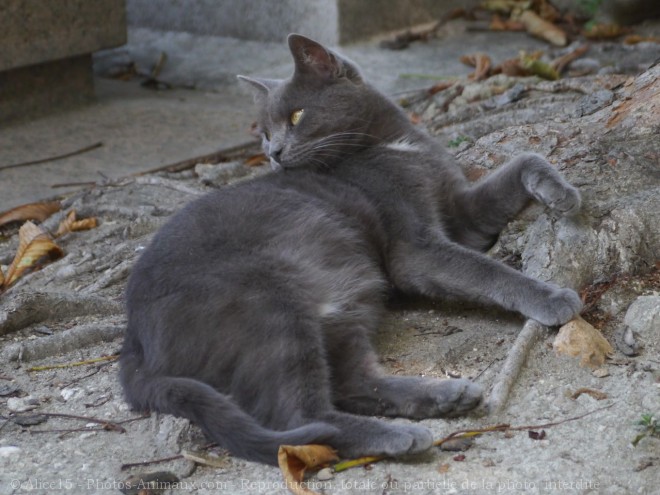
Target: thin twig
[(112, 357), (130, 465), (215, 157), (107, 425), (344, 465), (53, 158)]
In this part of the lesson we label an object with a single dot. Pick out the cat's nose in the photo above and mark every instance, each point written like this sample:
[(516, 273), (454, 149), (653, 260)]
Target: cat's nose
[(275, 153)]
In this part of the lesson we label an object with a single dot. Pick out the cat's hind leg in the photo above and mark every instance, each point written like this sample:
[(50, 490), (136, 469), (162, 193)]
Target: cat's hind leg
[(361, 386), (485, 208)]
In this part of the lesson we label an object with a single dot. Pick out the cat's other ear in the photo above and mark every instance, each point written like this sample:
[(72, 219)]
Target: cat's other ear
[(260, 87), (313, 58)]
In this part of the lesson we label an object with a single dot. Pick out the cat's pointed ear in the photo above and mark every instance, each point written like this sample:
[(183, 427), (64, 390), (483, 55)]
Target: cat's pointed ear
[(313, 58), (260, 87)]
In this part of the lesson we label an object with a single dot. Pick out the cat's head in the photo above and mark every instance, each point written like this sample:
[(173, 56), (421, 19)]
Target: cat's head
[(324, 111)]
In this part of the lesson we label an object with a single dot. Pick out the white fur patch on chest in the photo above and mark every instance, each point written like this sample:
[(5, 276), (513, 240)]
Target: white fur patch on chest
[(403, 144), (329, 309)]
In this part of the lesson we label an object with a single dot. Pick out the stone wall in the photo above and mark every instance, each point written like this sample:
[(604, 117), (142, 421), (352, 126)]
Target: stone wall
[(329, 21), (45, 61)]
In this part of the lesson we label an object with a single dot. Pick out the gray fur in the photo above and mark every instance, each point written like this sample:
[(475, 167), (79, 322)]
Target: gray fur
[(251, 311)]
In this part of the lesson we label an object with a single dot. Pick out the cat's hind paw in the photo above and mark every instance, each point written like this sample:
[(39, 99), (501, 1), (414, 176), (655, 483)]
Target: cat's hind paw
[(454, 397)]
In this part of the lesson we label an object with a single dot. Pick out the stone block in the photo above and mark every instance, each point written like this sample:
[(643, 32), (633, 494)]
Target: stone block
[(45, 61), (36, 31), (328, 21), (36, 90)]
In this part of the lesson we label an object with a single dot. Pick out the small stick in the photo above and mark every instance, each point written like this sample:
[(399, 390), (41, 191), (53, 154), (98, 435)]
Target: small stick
[(527, 337), (344, 465), (53, 158), (124, 467), (104, 422), (112, 357)]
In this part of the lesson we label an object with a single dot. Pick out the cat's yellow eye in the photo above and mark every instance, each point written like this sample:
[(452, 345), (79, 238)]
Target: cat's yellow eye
[(296, 116)]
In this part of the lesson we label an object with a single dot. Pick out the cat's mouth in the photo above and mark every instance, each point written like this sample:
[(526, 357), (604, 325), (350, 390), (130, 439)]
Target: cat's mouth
[(275, 165)]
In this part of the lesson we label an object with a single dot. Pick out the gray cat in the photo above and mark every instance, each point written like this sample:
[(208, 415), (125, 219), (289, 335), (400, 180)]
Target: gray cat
[(251, 311)]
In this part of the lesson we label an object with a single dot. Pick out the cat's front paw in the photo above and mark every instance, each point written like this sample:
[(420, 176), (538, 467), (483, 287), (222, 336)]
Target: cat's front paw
[(548, 187), (559, 196), (560, 307)]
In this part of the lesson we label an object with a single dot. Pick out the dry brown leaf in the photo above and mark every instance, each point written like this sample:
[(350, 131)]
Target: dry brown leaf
[(499, 24), (543, 29), (534, 65), (596, 394), (505, 6), (294, 460), (605, 31), (579, 338), (34, 244), (546, 10), (72, 224), (560, 63), (33, 211), (633, 39), (205, 459), (481, 63), (511, 67), (256, 160)]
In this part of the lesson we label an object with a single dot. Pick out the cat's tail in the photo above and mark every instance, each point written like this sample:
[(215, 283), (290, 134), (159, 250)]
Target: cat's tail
[(217, 414)]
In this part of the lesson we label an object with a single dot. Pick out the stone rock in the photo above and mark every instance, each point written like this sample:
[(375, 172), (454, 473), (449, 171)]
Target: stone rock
[(22, 404), (220, 173), (643, 318), (9, 450), (325, 474)]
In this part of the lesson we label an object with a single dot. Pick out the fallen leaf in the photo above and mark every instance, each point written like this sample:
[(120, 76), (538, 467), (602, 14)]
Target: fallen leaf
[(537, 26), (459, 458), (457, 444), (596, 394), (441, 86), (579, 338), (481, 63), (604, 31), (534, 65), (205, 459), (510, 67), (72, 224), (294, 460), (560, 63), (34, 244), (547, 11), (504, 6), (633, 39), (33, 211), (255, 160), (499, 24), (536, 435)]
